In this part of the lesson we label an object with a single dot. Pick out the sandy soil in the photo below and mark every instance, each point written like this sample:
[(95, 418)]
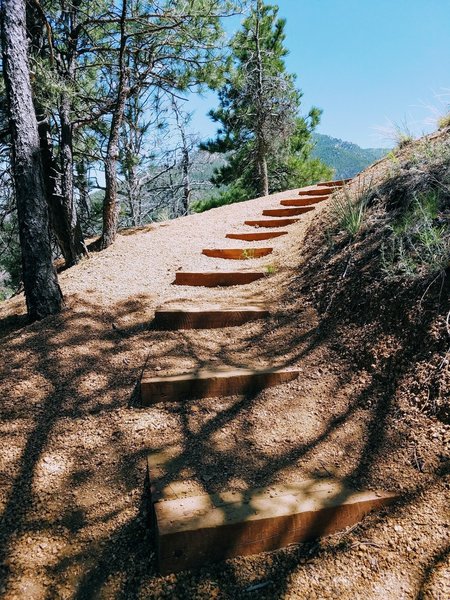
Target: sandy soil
[(73, 495)]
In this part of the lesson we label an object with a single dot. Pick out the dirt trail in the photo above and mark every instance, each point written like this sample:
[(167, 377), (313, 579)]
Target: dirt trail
[(74, 448)]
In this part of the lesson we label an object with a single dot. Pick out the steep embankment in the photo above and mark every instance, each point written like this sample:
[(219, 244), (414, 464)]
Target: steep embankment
[(73, 465)]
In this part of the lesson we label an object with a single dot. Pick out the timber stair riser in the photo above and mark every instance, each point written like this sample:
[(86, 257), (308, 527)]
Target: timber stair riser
[(237, 253), (287, 212), (211, 384), (303, 201), (272, 223), (255, 237), (217, 278), (316, 192), (175, 319), (336, 184), (193, 530)]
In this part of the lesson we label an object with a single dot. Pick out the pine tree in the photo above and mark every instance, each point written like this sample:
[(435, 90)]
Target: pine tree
[(42, 292), (268, 143)]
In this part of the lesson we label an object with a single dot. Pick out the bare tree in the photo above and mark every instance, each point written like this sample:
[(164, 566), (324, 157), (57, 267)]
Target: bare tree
[(186, 147)]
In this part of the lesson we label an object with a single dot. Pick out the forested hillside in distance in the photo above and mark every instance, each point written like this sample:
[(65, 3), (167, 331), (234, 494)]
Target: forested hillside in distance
[(346, 158)]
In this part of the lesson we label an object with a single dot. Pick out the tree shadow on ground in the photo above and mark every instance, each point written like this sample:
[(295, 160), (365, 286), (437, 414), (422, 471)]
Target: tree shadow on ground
[(82, 451)]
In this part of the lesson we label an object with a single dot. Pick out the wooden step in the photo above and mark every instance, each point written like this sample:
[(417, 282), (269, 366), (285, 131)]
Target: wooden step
[(191, 530), (337, 183), (315, 192), (303, 201), (286, 212), (217, 278), (206, 317), (254, 237), (237, 254), (210, 384), (272, 222)]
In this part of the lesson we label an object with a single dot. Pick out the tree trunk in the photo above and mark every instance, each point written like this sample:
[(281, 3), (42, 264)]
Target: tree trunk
[(110, 203), (186, 181), (132, 193), (263, 175), (261, 116), (63, 218), (59, 179), (72, 245), (42, 292), (82, 185), (185, 157)]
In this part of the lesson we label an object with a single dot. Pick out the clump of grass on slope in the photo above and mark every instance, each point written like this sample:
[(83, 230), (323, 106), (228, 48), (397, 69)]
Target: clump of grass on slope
[(419, 241), (350, 210), (444, 121)]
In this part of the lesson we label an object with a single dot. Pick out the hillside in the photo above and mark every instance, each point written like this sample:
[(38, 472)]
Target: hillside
[(369, 335), (346, 158)]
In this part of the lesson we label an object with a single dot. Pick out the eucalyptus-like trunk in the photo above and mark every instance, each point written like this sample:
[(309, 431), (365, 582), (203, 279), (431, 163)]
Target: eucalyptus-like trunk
[(42, 292)]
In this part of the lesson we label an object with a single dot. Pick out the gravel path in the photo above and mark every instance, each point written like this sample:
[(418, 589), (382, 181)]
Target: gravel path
[(73, 451)]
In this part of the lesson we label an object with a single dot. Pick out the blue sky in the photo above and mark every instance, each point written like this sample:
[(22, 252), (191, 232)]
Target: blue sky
[(367, 63)]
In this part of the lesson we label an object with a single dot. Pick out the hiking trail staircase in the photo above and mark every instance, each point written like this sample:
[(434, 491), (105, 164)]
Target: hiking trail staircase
[(191, 530)]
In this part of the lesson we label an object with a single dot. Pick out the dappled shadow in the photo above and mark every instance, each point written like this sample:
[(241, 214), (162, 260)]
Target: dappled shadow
[(12, 323), (80, 442), (439, 559)]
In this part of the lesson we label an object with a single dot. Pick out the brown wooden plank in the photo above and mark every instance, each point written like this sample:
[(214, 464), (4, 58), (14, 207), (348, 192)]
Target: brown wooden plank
[(271, 222), (286, 212), (314, 192), (210, 384), (217, 278), (304, 201), (194, 530), (209, 317), (337, 183), (254, 237), (237, 253)]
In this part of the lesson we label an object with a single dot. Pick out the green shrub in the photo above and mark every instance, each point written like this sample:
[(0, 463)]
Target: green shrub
[(419, 241), (228, 196)]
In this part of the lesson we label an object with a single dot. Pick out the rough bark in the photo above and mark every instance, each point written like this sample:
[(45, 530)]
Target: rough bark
[(110, 203), (263, 175), (74, 246), (260, 124), (82, 185), (42, 292), (58, 177), (133, 202), (71, 236), (63, 217)]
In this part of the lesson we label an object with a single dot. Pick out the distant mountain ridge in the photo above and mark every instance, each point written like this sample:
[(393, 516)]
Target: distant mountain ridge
[(346, 158)]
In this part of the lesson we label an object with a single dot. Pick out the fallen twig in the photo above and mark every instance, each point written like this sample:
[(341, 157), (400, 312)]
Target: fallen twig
[(257, 586)]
